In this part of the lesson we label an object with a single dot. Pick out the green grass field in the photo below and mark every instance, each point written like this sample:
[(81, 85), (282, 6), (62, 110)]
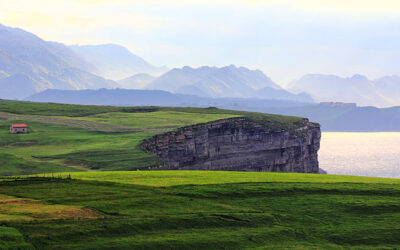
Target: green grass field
[(73, 138), (201, 209), (10, 238), (55, 194)]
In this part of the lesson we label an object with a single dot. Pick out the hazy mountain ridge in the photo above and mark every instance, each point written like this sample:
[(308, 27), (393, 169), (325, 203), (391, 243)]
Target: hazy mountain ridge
[(138, 81), (229, 81), (389, 88), (135, 97), (347, 118), (204, 77), (31, 51), (115, 62), (29, 64), (382, 92), (38, 65)]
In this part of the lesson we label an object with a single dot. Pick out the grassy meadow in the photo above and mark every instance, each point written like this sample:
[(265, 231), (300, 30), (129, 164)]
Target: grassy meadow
[(85, 140), (65, 186), (73, 138), (201, 209)]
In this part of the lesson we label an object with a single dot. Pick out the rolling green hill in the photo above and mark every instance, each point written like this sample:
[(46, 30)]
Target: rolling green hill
[(201, 209), (62, 200), (87, 138)]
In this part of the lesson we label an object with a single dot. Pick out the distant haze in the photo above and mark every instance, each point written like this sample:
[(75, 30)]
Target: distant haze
[(331, 116), (115, 62), (29, 65), (285, 39), (381, 92)]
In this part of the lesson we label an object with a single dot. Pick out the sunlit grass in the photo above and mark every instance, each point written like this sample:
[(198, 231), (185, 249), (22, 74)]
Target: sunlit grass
[(53, 148), (11, 238), (172, 178), (21, 209), (210, 210)]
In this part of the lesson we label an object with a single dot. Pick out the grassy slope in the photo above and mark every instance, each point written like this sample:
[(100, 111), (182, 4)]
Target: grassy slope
[(170, 209), (210, 210), (80, 138), (10, 238), (189, 177)]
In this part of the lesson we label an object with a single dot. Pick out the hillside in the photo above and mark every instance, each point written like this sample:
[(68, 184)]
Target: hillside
[(29, 65), (76, 200), (199, 209), (85, 138)]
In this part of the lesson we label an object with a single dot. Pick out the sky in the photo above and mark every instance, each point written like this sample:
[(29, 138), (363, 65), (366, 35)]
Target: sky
[(284, 38)]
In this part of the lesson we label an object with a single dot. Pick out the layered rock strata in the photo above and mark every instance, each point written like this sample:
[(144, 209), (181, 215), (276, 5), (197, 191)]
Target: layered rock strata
[(238, 144)]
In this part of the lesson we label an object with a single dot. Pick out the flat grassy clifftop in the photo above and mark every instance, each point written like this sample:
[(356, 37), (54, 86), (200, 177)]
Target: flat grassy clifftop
[(89, 138), (199, 210)]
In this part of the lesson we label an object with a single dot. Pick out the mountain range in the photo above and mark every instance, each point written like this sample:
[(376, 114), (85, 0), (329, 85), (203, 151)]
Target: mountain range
[(29, 65), (214, 82), (382, 92), (229, 81)]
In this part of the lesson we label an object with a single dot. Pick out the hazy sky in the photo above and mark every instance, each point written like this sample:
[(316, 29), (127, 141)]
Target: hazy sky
[(284, 38)]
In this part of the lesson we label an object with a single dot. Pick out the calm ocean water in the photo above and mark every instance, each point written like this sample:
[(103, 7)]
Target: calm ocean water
[(364, 154)]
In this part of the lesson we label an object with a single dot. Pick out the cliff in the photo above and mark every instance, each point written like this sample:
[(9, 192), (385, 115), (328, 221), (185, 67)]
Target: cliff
[(239, 144)]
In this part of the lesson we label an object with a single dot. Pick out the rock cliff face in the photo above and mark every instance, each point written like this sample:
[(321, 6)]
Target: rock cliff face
[(238, 144)]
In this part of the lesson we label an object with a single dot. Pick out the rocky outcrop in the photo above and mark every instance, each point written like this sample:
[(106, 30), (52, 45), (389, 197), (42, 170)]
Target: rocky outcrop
[(238, 144)]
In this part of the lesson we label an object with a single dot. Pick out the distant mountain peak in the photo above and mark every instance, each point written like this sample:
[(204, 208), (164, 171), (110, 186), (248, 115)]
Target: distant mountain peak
[(138, 81), (233, 66), (115, 61), (382, 92), (389, 78), (30, 64), (226, 81), (359, 77)]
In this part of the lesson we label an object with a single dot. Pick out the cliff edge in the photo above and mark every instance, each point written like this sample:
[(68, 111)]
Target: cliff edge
[(239, 144)]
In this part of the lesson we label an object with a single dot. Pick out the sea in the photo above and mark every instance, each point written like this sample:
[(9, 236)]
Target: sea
[(361, 154)]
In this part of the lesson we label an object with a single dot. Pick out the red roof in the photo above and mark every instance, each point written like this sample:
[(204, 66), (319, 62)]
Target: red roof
[(18, 125)]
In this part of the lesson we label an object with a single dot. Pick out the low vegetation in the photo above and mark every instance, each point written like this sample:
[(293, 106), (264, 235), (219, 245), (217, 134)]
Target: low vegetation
[(53, 196), (209, 210), (53, 109), (11, 238), (89, 138)]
